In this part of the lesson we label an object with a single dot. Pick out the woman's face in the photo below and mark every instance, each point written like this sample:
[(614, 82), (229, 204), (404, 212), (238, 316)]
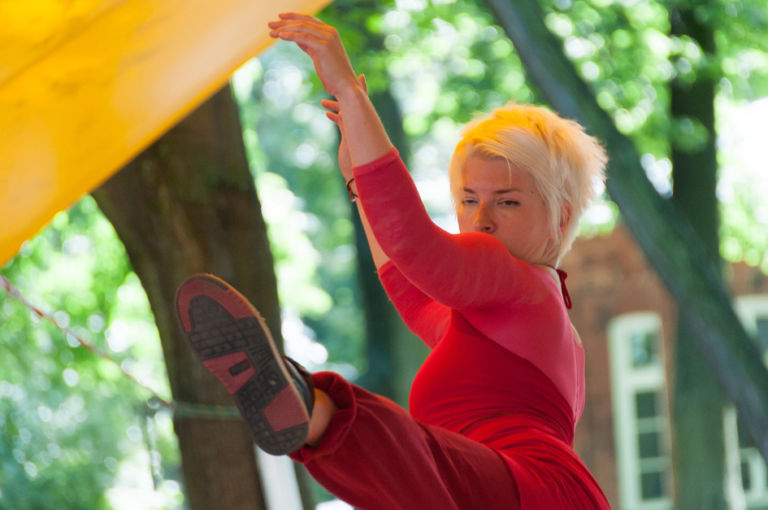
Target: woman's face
[(504, 202)]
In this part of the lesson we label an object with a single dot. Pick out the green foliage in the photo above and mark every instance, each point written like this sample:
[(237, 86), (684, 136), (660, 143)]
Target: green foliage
[(622, 49), (70, 421), (625, 51), (743, 184)]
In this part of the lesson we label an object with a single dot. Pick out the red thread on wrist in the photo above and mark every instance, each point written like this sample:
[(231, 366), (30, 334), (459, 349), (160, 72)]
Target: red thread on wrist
[(352, 194)]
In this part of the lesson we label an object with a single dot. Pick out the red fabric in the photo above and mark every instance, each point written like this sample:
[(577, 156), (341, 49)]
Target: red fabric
[(472, 386), (505, 376), (376, 457), (514, 303), (566, 297)]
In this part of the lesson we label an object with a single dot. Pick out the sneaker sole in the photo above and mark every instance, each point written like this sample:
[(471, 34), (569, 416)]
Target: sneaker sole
[(231, 339)]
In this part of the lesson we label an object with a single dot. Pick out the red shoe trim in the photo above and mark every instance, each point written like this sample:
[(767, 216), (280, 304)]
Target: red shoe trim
[(285, 410), (220, 367), (230, 299)]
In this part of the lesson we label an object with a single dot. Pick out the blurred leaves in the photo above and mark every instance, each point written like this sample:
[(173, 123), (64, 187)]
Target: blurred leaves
[(625, 50), (291, 149), (66, 415), (70, 424)]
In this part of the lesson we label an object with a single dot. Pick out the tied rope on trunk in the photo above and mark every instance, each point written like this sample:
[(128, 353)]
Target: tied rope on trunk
[(180, 409)]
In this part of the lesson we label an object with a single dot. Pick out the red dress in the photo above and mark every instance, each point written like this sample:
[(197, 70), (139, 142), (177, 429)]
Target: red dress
[(504, 381)]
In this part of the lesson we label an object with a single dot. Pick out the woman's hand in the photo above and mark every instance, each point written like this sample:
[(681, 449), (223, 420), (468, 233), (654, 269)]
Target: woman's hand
[(363, 132), (334, 113), (322, 43)]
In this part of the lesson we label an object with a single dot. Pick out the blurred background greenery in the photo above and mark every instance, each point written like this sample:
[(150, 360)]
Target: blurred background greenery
[(75, 433)]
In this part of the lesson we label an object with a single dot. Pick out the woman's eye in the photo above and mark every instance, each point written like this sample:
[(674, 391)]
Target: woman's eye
[(469, 201), (510, 203)]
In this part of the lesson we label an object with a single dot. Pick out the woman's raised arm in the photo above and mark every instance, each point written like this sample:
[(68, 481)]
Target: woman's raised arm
[(345, 165), (391, 208), (361, 128)]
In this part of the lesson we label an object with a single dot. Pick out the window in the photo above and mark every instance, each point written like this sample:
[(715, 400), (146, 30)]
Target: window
[(640, 411), (753, 312), (641, 420)]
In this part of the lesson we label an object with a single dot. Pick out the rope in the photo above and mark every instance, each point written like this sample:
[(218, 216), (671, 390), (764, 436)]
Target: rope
[(155, 402)]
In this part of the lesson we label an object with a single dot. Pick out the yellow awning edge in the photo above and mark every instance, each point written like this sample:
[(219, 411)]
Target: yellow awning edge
[(85, 85)]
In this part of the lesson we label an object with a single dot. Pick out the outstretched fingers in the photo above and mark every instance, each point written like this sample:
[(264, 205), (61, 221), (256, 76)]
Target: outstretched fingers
[(300, 37), (302, 23), (334, 117), (302, 26), (364, 83), (323, 44), (328, 104), (333, 112), (296, 15), (307, 35)]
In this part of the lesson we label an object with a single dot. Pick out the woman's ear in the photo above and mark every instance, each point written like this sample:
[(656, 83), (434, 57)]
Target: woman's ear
[(565, 216)]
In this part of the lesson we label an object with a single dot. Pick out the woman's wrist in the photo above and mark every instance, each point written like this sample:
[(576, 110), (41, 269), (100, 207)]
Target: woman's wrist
[(351, 93), (364, 133), (352, 189)]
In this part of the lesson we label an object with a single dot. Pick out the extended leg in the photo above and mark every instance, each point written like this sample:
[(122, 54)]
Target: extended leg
[(230, 338), (322, 414), (362, 447), (376, 457)]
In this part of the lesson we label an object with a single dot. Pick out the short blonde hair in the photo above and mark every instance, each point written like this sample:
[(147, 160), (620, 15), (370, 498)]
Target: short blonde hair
[(566, 163)]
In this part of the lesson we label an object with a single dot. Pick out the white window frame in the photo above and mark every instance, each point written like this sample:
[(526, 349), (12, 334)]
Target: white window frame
[(747, 309), (627, 381)]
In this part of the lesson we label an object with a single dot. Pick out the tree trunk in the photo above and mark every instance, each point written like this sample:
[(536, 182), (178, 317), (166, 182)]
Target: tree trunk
[(698, 449), (665, 236), (188, 205)]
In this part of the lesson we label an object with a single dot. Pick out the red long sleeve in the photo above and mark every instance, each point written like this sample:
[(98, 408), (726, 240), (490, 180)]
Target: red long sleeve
[(425, 317), (515, 304), (462, 271), (505, 374)]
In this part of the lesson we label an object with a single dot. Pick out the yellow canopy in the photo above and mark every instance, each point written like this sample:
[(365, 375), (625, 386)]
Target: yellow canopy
[(85, 85)]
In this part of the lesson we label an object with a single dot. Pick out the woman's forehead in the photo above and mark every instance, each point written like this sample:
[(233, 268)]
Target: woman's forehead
[(494, 173)]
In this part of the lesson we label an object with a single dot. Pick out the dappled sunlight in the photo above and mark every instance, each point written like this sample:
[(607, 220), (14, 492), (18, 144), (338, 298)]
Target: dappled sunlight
[(296, 257), (659, 172), (67, 405), (743, 184), (134, 487), (301, 343)]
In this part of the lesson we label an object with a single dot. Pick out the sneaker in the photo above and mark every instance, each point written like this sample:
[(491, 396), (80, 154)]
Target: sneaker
[(275, 395)]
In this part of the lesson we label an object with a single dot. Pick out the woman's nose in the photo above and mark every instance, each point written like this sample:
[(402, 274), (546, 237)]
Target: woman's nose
[(484, 221)]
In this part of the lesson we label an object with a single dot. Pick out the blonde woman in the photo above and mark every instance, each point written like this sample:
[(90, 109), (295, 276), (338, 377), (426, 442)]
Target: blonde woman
[(494, 406)]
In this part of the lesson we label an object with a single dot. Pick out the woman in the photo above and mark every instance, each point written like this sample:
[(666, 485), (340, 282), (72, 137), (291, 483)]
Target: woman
[(494, 406)]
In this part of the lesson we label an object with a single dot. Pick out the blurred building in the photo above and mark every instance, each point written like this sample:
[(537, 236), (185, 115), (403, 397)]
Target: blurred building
[(627, 322)]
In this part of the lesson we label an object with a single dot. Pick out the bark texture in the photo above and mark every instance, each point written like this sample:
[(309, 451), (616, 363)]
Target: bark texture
[(188, 205), (698, 449)]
